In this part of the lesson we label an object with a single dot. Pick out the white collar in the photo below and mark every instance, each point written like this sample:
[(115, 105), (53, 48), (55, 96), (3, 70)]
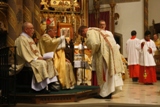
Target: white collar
[(25, 34)]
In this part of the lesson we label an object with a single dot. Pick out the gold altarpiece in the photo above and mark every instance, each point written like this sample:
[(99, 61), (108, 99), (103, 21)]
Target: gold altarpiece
[(63, 12), (15, 12)]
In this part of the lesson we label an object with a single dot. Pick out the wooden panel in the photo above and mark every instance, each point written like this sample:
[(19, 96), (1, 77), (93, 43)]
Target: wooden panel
[(157, 60), (157, 27)]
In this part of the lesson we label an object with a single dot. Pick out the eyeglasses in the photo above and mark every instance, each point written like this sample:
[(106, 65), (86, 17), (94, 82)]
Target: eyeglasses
[(31, 28)]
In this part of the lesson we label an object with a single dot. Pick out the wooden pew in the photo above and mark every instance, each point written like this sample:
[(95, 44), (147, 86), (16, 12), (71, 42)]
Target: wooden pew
[(7, 83), (156, 27)]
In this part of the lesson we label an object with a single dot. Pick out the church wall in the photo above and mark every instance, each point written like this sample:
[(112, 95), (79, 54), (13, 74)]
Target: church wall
[(131, 18), (153, 11)]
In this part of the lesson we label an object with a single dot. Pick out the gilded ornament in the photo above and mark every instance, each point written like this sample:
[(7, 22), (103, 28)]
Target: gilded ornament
[(3, 6), (145, 74)]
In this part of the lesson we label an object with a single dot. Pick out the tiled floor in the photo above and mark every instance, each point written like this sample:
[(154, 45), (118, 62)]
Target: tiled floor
[(133, 94)]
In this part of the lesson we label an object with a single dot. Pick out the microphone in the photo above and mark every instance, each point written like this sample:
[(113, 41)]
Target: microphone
[(82, 39)]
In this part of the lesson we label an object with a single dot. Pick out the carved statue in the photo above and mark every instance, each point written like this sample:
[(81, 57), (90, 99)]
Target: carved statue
[(2, 27), (44, 4), (76, 6), (3, 35), (96, 5)]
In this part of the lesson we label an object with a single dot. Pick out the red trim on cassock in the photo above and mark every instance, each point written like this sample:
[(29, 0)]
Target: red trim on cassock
[(94, 78), (104, 76)]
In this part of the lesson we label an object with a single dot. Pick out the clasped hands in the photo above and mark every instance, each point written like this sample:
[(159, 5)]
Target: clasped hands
[(142, 44), (40, 58), (149, 49)]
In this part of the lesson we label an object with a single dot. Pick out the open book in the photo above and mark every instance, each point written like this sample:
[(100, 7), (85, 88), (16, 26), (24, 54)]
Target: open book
[(48, 55)]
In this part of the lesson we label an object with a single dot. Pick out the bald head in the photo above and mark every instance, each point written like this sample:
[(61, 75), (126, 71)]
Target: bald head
[(28, 28)]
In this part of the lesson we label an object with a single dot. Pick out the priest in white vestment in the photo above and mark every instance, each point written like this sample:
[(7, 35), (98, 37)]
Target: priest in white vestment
[(27, 53), (102, 25), (106, 61)]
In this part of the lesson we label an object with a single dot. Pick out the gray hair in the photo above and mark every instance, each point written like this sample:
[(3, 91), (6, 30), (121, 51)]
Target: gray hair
[(49, 28), (25, 25)]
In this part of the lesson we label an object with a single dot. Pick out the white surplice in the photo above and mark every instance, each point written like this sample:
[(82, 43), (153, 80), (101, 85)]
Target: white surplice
[(147, 59), (132, 52)]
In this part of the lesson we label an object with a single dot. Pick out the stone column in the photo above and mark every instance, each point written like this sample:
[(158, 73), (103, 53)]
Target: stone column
[(15, 20), (28, 7), (36, 15), (145, 15), (112, 5), (84, 8), (97, 11)]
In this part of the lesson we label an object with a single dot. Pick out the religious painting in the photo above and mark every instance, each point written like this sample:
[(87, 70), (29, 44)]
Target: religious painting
[(65, 27), (63, 30)]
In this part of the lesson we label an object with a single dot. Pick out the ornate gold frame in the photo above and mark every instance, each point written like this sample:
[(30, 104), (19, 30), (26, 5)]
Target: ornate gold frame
[(62, 27)]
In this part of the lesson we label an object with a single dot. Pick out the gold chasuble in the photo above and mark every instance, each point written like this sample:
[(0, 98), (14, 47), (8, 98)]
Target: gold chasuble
[(103, 46), (65, 70), (27, 53), (157, 43)]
